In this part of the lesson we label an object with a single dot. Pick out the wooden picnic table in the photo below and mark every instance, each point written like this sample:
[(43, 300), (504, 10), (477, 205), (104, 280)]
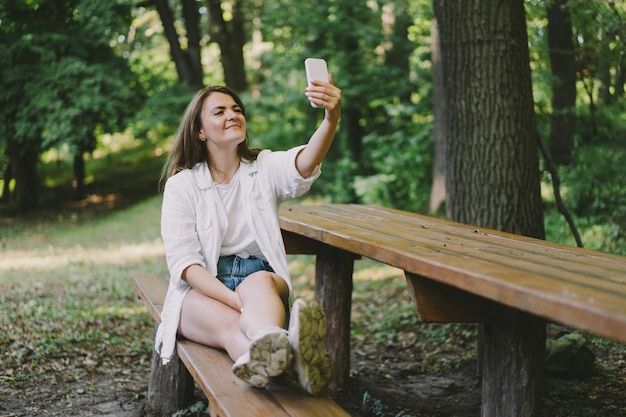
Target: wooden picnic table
[(461, 273)]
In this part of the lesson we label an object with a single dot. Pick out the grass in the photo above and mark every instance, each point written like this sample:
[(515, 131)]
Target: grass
[(66, 290), (65, 286)]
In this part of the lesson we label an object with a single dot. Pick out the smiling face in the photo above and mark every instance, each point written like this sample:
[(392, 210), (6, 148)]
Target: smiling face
[(223, 122)]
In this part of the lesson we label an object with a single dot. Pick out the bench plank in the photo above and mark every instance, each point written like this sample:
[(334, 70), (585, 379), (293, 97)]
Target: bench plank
[(297, 405), (150, 288), (572, 286), (227, 394)]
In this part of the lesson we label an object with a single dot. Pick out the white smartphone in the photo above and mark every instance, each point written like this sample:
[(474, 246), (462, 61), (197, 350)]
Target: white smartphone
[(316, 69)]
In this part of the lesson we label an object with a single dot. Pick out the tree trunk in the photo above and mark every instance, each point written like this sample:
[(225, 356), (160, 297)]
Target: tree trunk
[(397, 56), (79, 176), (492, 165), (188, 62), (563, 63), (603, 68), (230, 37), (353, 111), (620, 77), (6, 183), (438, 192), (24, 163), (193, 52)]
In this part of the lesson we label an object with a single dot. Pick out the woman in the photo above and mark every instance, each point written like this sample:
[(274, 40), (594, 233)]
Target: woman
[(229, 280)]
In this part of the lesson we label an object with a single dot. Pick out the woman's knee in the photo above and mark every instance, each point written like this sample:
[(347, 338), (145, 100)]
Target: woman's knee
[(264, 281)]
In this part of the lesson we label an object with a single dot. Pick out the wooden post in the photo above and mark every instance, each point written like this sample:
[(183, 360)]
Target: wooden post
[(170, 388), (333, 290), (513, 351)]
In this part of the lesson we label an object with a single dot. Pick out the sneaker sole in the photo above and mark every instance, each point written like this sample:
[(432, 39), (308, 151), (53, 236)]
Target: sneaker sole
[(249, 375), (311, 361), (269, 356)]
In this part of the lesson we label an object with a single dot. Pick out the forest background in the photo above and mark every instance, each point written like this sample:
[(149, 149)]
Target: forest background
[(82, 77), (92, 91)]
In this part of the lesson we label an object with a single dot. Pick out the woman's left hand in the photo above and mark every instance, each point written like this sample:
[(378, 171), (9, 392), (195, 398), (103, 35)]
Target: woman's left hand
[(326, 96)]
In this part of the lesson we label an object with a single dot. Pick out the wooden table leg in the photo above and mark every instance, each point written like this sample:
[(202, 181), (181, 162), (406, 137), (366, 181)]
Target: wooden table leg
[(333, 290), (512, 351)]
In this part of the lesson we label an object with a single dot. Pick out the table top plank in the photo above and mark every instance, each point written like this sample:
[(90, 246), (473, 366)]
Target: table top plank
[(574, 286), (562, 263)]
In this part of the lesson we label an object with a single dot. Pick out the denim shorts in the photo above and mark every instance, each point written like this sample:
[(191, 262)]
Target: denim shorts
[(232, 270)]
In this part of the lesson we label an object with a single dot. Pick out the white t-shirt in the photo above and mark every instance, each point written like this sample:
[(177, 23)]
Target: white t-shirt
[(239, 239)]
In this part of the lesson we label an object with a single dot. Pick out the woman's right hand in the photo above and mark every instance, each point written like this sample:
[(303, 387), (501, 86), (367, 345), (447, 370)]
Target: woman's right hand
[(206, 284), (237, 303)]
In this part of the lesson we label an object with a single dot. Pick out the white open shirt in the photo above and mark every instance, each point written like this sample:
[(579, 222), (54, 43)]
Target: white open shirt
[(194, 222)]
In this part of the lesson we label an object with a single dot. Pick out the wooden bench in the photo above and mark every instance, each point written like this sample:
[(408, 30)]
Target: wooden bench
[(171, 387), (460, 273)]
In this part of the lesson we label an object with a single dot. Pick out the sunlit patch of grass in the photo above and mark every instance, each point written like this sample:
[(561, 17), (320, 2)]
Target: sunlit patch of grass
[(31, 262), (369, 270)]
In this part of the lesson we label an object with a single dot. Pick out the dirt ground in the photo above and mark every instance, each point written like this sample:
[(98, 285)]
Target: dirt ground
[(392, 382)]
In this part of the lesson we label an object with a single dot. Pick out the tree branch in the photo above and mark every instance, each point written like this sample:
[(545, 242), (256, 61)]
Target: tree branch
[(556, 185)]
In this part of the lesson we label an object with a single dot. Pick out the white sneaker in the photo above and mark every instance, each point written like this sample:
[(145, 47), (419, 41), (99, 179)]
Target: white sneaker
[(307, 328), (269, 355)]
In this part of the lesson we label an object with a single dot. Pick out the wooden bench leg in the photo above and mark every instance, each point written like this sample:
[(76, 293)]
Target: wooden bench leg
[(170, 388), (512, 354), (333, 290)]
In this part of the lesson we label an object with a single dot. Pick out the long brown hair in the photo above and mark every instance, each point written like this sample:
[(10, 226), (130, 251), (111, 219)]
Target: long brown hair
[(187, 149)]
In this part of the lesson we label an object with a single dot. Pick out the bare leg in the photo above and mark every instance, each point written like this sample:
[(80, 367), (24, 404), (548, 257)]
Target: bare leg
[(264, 296)]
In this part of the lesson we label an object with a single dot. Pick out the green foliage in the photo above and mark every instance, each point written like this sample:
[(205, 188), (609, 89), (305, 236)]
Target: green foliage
[(380, 95), (402, 160), (375, 407), (63, 81), (598, 188), (75, 82), (75, 98), (162, 112), (595, 182), (372, 405)]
